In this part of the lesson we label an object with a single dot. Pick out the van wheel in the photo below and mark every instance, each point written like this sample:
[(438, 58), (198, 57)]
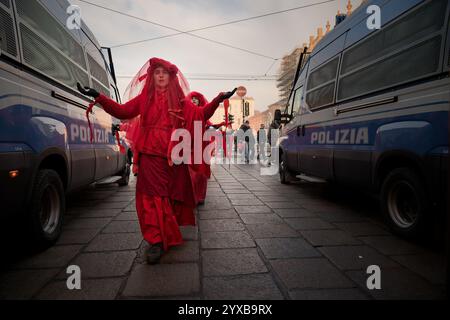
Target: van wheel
[(405, 203), (47, 208), (285, 177), (124, 181)]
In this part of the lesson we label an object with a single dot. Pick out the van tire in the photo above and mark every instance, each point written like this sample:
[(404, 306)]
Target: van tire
[(46, 209), (125, 180), (405, 203), (285, 177)]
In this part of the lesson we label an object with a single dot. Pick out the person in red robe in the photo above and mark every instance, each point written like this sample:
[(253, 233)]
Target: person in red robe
[(202, 172), (165, 196)]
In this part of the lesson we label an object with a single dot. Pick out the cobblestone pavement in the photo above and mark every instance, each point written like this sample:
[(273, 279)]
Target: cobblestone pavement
[(256, 239)]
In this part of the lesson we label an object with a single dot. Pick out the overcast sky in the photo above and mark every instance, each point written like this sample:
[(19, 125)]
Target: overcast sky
[(272, 36)]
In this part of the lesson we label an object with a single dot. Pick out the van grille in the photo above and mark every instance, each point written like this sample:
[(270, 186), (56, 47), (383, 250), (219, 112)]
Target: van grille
[(5, 3), (40, 55), (8, 39), (97, 71)]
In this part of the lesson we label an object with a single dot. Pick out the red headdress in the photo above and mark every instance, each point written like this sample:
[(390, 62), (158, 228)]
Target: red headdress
[(199, 96), (143, 83)]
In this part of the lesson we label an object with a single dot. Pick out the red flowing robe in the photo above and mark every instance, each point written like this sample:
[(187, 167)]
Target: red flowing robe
[(165, 194)]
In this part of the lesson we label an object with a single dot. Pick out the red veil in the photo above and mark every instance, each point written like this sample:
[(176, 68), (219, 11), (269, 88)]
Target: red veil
[(177, 89)]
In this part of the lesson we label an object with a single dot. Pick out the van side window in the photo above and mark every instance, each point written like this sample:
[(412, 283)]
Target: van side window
[(297, 101), (46, 55), (37, 17), (97, 70), (321, 83), (7, 35), (407, 50)]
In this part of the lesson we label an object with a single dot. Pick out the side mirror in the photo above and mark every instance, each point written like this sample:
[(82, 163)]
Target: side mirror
[(277, 116)]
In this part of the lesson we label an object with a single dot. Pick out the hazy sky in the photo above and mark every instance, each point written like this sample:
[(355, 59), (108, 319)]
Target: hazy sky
[(272, 36)]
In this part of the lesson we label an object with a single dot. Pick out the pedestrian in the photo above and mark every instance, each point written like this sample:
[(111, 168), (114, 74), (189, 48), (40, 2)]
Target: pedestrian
[(165, 197), (201, 173), (248, 143), (262, 140), (275, 127)]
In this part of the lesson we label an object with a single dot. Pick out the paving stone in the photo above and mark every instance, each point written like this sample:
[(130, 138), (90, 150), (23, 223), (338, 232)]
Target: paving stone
[(328, 294), (294, 213), (308, 224), (216, 205), (189, 233), (57, 256), (123, 227), (261, 219), (103, 264), (232, 262), (221, 225), (271, 231), (362, 229), (114, 205), (121, 198), (247, 287), (98, 289), (234, 191), (357, 257), (238, 196), (187, 252), (252, 209), (398, 284), (218, 214), (130, 208), (391, 245), (127, 216), (283, 205), (274, 198), (229, 239), (24, 284), (77, 236), (162, 280), (101, 213), (315, 273), (329, 238), (430, 266), (283, 248), (89, 223), (246, 202), (115, 242), (336, 216)]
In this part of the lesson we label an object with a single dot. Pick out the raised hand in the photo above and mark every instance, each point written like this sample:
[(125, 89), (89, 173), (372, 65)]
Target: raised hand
[(88, 91), (229, 94)]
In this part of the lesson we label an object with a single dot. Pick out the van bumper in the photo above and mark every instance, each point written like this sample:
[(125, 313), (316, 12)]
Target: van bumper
[(14, 190)]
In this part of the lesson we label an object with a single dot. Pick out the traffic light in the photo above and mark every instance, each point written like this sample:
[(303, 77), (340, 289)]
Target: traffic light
[(247, 109), (230, 119)]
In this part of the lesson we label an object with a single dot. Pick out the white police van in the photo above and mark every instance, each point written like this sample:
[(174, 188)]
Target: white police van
[(370, 108), (45, 145)]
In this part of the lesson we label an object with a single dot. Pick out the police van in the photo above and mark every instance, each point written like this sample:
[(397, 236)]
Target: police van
[(370, 109), (46, 148)]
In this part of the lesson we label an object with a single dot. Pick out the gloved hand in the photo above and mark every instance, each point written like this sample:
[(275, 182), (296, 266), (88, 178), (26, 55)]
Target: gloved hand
[(88, 91), (228, 95)]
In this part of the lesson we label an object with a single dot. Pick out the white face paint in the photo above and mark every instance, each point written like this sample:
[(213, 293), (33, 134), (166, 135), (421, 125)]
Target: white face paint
[(195, 101)]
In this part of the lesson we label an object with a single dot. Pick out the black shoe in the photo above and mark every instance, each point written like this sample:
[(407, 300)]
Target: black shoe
[(154, 253)]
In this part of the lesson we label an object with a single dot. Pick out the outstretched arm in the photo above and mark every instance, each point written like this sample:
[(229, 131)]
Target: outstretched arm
[(211, 107), (125, 111), (128, 110)]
